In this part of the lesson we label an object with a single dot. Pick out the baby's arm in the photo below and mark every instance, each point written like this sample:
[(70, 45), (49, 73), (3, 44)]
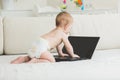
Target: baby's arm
[(68, 46), (59, 50)]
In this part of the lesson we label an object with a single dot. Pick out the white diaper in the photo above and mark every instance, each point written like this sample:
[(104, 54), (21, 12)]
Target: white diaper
[(38, 47)]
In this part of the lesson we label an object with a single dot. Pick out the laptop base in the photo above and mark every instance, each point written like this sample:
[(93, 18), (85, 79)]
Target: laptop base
[(67, 58)]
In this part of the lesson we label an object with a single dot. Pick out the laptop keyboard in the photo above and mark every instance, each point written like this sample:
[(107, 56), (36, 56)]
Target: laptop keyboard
[(66, 58)]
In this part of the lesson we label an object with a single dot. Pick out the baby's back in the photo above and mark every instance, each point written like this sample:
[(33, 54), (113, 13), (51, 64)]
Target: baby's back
[(54, 37)]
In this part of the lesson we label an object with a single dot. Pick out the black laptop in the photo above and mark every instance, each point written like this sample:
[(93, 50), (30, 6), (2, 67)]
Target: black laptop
[(82, 46)]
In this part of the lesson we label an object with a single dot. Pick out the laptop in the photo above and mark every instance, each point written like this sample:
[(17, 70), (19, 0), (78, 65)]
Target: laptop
[(82, 46)]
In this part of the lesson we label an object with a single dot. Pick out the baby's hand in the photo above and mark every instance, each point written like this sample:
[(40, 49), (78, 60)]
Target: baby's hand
[(75, 55)]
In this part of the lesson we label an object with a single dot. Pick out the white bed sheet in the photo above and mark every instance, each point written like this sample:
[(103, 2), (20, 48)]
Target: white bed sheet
[(104, 65)]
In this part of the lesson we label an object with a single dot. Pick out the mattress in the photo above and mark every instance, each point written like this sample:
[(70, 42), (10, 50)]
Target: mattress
[(104, 65)]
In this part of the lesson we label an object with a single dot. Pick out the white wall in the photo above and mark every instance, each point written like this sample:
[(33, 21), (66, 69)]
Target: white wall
[(118, 6), (54, 3), (20, 7), (22, 4), (0, 4), (28, 4), (24, 7), (105, 4), (95, 4), (91, 6)]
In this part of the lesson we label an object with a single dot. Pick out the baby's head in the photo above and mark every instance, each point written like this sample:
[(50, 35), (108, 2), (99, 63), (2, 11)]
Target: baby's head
[(64, 20)]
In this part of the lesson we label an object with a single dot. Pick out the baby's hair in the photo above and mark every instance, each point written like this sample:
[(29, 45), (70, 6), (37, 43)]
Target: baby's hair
[(63, 18)]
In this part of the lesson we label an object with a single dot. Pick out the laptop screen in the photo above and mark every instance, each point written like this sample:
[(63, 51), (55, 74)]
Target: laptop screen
[(83, 46)]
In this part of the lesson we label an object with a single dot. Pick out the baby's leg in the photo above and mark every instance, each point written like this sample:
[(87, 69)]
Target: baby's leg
[(20, 59), (45, 57), (35, 60)]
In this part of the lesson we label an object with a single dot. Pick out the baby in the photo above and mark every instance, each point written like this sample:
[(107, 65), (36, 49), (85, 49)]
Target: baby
[(40, 51)]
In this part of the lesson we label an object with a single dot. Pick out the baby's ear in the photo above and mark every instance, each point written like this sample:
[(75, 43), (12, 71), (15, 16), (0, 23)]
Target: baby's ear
[(64, 22)]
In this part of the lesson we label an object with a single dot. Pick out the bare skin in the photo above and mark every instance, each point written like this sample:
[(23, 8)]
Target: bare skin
[(55, 38)]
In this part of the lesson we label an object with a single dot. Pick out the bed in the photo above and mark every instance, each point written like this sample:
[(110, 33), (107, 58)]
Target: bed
[(104, 65), (17, 34)]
